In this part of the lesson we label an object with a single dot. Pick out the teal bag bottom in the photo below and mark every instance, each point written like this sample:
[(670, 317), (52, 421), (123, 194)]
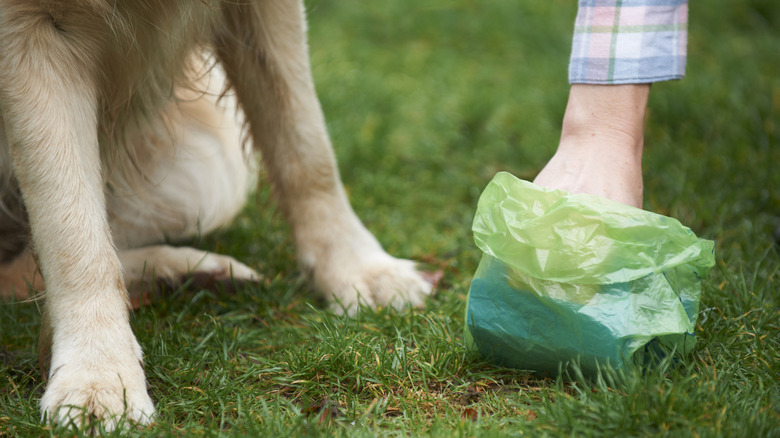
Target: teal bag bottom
[(578, 278), (520, 329)]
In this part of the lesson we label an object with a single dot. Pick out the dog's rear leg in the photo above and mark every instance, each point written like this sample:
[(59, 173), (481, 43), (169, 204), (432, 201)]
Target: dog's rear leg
[(263, 49), (19, 276), (147, 269), (49, 103)]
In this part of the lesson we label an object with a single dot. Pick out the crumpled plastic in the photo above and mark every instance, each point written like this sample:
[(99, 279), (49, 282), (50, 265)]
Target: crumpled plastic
[(574, 277)]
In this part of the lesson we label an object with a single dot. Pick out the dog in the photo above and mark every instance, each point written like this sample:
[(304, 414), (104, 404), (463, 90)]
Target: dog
[(119, 134)]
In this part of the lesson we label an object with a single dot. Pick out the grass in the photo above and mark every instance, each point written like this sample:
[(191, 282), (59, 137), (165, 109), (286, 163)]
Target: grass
[(425, 102)]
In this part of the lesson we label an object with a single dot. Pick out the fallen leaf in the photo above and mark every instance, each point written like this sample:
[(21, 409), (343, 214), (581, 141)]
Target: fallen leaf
[(470, 414)]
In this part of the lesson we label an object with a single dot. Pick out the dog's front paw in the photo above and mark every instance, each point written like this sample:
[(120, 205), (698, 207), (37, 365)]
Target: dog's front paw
[(374, 281), (93, 388)]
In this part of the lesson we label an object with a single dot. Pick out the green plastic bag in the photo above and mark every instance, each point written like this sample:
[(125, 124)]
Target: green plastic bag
[(568, 277)]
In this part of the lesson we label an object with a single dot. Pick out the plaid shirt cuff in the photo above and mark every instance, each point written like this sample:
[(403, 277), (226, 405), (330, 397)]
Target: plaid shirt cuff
[(629, 41)]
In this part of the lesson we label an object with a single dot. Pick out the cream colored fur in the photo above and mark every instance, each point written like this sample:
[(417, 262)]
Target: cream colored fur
[(115, 137)]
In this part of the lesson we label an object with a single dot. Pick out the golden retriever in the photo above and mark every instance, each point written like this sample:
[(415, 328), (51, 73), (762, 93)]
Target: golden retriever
[(119, 134)]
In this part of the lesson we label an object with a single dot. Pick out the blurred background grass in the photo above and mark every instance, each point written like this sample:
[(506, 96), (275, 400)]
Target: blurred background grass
[(425, 102)]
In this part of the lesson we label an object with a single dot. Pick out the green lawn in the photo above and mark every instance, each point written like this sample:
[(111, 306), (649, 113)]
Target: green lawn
[(426, 101)]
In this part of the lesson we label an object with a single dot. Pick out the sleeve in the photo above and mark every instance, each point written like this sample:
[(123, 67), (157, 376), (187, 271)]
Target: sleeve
[(629, 41)]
